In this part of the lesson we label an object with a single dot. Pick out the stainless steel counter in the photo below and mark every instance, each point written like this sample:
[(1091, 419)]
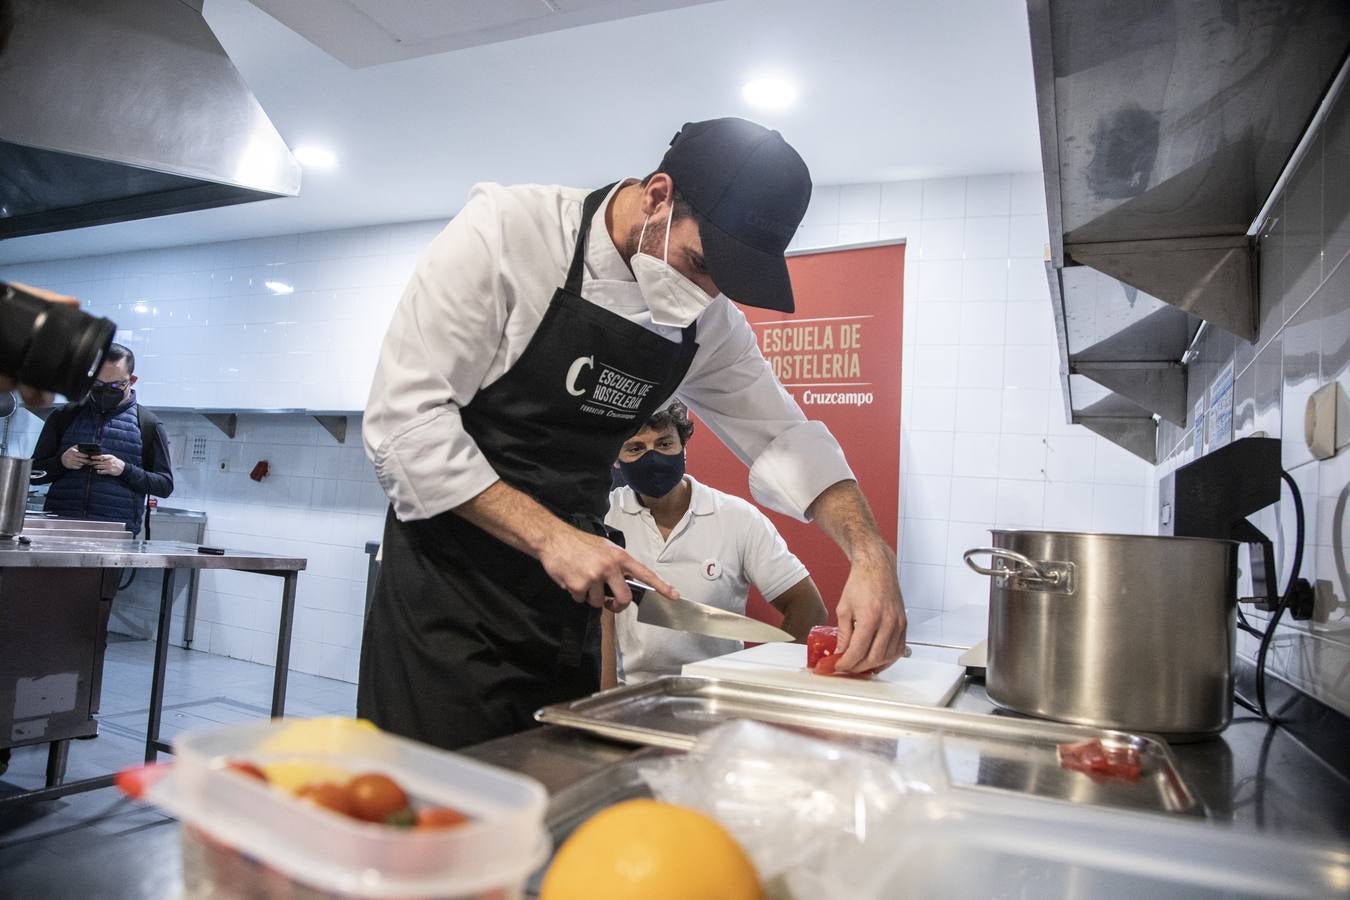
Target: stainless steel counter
[(1251, 775), (111, 553)]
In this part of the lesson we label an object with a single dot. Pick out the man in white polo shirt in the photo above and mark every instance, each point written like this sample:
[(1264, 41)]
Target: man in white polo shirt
[(712, 544)]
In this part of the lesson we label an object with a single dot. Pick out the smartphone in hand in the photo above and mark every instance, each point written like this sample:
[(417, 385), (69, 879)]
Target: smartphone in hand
[(89, 449)]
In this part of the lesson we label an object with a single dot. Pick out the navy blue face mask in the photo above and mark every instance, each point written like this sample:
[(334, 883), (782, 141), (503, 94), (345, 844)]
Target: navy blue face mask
[(106, 399), (654, 474)]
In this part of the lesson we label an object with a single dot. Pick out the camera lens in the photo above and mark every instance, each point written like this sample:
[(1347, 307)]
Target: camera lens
[(51, 346)]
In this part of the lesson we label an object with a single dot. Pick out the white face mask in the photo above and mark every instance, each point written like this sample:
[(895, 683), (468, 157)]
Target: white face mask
[(673, 299)]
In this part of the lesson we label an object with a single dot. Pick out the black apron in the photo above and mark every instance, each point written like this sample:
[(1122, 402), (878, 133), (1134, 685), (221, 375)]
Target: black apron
[(467, 636)]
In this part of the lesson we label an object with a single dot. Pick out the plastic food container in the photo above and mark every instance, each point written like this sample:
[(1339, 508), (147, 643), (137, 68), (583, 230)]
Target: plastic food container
[(243, 838)]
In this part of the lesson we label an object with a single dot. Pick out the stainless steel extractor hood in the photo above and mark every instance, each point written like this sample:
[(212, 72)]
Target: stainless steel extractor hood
[(124, 109)]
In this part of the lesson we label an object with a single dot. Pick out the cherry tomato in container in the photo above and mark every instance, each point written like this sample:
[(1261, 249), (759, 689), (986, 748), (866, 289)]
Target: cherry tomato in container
[(376, 797), (330, 796), (244, 767), (431, 817)]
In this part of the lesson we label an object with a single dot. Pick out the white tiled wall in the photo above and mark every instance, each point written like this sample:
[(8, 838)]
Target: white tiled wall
[(984, 443), (209, 332)]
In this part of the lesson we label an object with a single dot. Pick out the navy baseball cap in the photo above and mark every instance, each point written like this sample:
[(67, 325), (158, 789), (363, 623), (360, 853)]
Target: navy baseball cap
[(750, 190)]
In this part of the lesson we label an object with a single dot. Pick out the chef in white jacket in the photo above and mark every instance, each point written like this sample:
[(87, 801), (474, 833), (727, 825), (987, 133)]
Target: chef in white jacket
[(539, 331)]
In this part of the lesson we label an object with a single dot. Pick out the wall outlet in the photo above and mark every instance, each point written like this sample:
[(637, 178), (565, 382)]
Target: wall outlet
[(1319, 420)]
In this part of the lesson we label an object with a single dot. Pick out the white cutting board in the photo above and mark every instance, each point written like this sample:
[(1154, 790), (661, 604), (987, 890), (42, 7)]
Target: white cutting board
[(924, 682)]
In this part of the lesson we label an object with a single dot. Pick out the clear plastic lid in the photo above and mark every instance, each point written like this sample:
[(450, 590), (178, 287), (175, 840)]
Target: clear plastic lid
[(502, 844)]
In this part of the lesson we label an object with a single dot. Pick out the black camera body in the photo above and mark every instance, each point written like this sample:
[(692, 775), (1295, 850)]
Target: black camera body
[(51, 346)]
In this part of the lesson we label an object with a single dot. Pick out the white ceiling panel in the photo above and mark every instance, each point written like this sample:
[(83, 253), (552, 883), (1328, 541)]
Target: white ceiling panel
[(364, 33)]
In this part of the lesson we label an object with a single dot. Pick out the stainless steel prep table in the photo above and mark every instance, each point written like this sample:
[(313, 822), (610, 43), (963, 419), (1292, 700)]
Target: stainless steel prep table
[(39, 551)]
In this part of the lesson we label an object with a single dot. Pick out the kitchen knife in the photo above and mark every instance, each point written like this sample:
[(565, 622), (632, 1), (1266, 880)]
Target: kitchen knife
[(700, 618)]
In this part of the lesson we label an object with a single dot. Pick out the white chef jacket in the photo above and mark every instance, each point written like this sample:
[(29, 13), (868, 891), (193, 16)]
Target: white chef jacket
[(477, 295), (720, 547)]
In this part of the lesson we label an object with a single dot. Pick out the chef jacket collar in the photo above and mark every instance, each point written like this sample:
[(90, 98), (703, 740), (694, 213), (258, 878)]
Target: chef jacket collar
[(603, 261), (702, 500)]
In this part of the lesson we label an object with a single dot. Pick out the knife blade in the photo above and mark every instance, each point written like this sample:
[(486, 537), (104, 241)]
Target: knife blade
[(700, 618)]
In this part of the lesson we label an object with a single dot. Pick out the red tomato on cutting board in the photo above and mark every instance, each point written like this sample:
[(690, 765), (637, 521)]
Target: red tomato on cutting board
[(820, 644)]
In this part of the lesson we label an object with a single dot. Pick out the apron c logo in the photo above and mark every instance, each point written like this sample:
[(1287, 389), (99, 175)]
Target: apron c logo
[(581, 362)]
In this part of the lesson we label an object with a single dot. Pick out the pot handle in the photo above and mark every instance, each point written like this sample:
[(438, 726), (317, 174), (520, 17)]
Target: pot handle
[(1057, 575)]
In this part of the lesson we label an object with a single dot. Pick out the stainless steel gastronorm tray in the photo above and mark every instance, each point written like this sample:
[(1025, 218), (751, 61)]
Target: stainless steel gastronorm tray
[(992, 752)]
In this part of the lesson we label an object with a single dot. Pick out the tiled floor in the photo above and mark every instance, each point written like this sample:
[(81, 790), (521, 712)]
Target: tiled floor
[(93, 844)]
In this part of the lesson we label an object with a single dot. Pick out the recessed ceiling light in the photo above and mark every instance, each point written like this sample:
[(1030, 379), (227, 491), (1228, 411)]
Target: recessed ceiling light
[(140, 308), (313, 157), (278, 287), (769, 93)]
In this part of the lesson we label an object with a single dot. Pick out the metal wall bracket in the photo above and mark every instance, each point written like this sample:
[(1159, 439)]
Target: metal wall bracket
[(1158, 387), (1209, 277), (1139, 436), (335, 425), (1124, 424), (226, 422)]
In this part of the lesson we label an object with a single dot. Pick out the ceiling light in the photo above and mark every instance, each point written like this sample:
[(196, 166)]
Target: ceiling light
[(769, 93), (312, 157), (140, 308), (279, 287)]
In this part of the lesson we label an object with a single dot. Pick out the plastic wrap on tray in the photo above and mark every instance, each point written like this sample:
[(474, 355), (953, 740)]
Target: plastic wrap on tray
[(791, 801)]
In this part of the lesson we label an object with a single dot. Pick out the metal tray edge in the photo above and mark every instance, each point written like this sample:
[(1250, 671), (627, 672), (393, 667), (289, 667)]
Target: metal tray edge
[(573, 715)]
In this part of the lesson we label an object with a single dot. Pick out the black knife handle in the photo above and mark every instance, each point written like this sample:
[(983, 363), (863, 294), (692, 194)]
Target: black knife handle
[(637, 587)]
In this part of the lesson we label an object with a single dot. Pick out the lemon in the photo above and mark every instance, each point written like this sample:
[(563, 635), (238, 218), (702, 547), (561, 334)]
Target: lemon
[(647, 850), (326, 734), (319, 737), (291, 775)]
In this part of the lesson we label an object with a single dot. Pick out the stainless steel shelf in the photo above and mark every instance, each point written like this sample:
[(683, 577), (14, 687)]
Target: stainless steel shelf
[(1164, 128)]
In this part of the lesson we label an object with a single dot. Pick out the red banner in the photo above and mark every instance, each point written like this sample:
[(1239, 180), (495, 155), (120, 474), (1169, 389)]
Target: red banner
[(839, 356)]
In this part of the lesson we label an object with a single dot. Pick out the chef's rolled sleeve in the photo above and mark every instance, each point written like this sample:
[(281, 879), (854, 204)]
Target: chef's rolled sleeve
[(798, 467), (439, 346), (733, 389), (432, 465)]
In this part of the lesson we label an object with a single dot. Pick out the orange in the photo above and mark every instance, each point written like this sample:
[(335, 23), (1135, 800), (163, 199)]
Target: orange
[(647, 850)]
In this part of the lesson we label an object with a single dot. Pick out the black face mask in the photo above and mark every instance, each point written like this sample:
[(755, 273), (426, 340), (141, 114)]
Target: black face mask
[(106, 399), (654, 474)]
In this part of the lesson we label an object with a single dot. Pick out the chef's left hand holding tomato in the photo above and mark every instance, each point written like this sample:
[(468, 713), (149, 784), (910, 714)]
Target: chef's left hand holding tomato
[(871, 610)]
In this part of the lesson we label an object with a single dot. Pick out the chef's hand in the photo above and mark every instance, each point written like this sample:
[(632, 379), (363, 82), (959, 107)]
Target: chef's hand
[(107, 464), (871, 612), (74, 459), (578, 562), (584, 564)]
